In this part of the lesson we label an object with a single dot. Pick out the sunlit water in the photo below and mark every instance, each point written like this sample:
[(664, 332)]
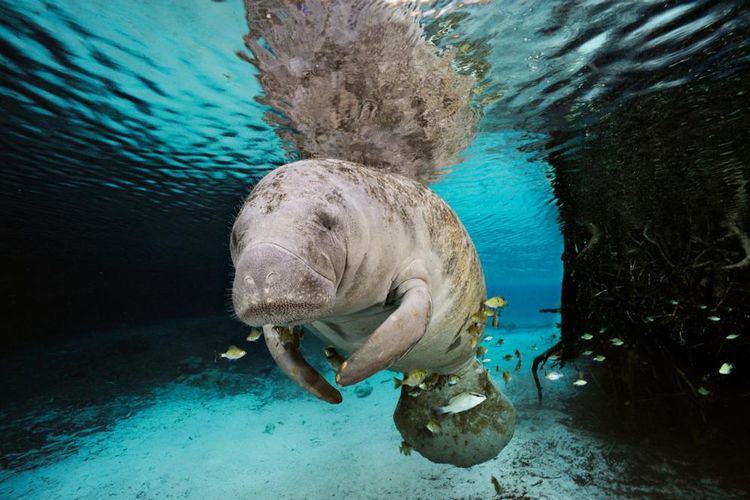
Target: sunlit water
[(131, 133)]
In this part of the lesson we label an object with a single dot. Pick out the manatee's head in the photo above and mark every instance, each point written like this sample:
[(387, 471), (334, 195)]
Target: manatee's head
[(288, 246)]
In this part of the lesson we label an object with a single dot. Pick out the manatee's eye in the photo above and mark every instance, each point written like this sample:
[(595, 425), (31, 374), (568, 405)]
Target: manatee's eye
[(233, 241), (326, 220)]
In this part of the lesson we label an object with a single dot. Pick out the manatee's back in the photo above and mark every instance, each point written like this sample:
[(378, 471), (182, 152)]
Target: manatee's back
[(448, 344), (357, 81), (458, 287)]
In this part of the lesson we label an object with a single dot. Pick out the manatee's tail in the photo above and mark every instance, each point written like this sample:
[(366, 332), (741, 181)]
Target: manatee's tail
[(357, 81)]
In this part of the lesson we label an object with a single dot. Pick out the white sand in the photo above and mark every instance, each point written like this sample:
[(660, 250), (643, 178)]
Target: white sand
[(195, 443)]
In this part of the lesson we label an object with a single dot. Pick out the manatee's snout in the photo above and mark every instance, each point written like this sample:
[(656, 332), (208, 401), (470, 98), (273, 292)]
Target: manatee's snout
[(274, 286)]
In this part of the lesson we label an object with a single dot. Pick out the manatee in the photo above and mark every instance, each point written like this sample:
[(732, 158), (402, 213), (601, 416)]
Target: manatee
[(379, 266)]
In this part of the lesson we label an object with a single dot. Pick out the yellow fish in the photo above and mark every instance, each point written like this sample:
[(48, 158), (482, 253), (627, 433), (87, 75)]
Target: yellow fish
[(475, 329), (233, 352), (478, 317), (434, 427), (254, 335), (412, 379), (405, 448), (496, 302), (506, 377), (726, 368), (334, 358), (496, 485), (481, 350)]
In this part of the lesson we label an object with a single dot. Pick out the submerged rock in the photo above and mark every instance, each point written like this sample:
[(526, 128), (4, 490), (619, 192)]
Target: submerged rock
[(466, 438), (363, 390)]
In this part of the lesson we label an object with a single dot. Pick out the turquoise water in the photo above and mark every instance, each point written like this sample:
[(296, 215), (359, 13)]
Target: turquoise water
[(132, 133)]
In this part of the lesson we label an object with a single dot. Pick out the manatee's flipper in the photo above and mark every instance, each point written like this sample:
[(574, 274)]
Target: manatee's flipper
[(392, 339), (284, 348)]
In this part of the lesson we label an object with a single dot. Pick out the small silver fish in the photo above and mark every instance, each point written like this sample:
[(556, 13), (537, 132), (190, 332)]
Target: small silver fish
[(488, 338), (487, 360), (599, 358), (714, 318), (726, 368), (580, 382), (553, 376), (586, 353), (703, 306), (703, 391), (731, 336), (462, 402), (602, 329), (616, 342), (587, 336), (649, 319), (674, 302)]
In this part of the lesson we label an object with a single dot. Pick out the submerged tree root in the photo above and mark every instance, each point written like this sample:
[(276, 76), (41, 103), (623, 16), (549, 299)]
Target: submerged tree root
[(542, 359), (745, 242)]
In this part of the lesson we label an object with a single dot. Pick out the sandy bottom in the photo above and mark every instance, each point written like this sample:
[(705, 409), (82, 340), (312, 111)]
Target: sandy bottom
[(158, 419)]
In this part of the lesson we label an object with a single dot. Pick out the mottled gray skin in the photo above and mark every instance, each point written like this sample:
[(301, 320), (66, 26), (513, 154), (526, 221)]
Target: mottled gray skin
[(372, 262), (360, 239)]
